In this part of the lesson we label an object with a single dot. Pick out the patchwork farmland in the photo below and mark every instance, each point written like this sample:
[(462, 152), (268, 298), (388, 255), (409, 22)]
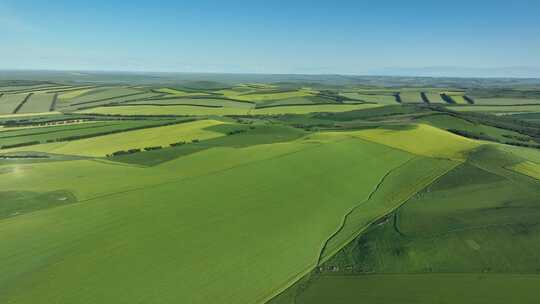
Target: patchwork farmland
[(279, 191)]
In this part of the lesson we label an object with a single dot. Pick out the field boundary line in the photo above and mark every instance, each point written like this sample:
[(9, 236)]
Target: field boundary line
[(390, 210), (24, 101)]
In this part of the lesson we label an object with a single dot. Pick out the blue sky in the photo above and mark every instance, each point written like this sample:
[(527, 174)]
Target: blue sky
[(349, 37)]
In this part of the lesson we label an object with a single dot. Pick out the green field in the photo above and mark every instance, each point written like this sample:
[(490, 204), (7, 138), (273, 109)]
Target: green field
[(435, 98), (381, 99), (497, 109), (197, 221), (506, 101), (423, 289), (138, 139), (268, 190), (203, 110), (411, 97), (212, 102), (42, 134), (38, 103), (8, 103)]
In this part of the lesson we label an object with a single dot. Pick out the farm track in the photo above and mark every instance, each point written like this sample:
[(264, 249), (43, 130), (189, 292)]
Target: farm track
[(323, 257), (25, 100), (344, 219)]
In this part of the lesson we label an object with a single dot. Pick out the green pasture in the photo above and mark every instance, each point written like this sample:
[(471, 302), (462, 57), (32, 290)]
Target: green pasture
[(159, 233), (421, 289)]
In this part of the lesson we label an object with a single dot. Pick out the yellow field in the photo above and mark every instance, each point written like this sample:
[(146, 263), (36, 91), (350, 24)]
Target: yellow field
[(424, 140), (528, 168), (73, 94), (103, 145), (180, 93)]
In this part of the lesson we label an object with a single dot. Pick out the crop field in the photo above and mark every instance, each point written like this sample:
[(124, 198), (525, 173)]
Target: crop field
[(528, 168), (411, 97), (176, 92), (279, 264), (459, 99), (423, 289), (16, 88), (63, 132), (497, 109), (100, 94), (506, 101), (435, 98), (210, 102), (205, 110), (381, 99), (9, 102), (422, 140), (38, 103), (138, 139), (452, 123), (278, 192), (71, 94), (265, 96)]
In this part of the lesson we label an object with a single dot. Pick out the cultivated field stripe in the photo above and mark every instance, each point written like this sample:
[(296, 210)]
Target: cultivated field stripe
[(25, 100)]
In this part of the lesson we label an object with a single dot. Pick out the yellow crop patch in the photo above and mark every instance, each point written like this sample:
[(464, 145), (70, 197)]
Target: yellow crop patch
[(528, 168), (103, 145), (422, 140)]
